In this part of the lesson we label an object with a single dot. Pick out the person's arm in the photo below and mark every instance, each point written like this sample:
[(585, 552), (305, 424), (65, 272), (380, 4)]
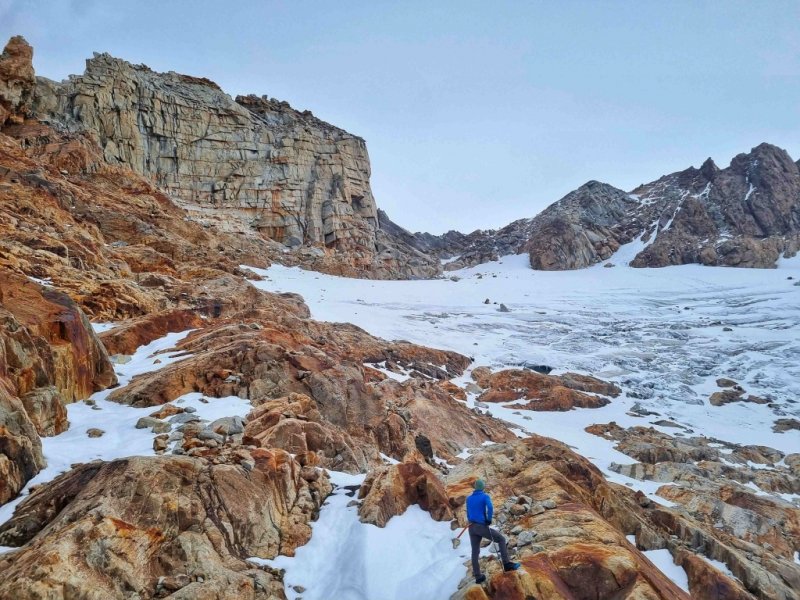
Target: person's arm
[(489, 509)]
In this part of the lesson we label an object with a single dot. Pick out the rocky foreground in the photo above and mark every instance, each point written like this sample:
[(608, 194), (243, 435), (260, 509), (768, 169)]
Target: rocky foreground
[(86, 232)]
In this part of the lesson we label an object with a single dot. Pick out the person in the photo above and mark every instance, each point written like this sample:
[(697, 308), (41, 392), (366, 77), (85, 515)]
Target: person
[(479, 515)]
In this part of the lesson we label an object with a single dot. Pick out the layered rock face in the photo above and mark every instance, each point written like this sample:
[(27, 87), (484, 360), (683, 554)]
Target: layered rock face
[(158, 527), (253, 165), (49, 356)]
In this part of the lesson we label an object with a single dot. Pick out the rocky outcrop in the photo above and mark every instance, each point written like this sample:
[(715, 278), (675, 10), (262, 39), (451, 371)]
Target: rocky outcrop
[(157, 527), (16, 80), (20, 447), (543, 392), (390, 490), (717, 485), (568, 527), (49, 356), (70, 357), (252, 166), (575, 545), (314, 393), (128, 335), (747, 214), (457, 250), (584, 227)]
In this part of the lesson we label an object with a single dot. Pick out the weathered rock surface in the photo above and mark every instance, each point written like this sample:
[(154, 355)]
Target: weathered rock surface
[(248, 166), (16, 80), (580, 549), (543, 392), (49, 356), (583, 228), (746, 215), (314, 391), (128, 335), (162, 526), (754, 535), (390, 490)]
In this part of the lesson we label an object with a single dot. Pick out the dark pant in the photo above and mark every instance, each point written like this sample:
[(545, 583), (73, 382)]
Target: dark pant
[(477, 532)]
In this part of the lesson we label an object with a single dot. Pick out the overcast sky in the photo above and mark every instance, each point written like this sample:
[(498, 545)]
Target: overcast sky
[(475, 113)]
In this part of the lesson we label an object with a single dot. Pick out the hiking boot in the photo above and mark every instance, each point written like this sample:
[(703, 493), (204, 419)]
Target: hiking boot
[(480, 579), (511, 566)]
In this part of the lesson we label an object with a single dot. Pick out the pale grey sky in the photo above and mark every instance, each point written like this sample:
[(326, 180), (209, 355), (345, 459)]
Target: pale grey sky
[(475, 113)]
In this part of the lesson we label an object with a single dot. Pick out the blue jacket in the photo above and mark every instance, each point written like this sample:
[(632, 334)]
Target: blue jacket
[(479, 508)]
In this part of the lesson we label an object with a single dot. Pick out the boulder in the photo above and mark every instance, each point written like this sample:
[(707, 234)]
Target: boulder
[(390, 490)]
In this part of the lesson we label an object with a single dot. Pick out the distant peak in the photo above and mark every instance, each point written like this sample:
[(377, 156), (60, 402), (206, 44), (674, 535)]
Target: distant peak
[(594, 187), (593, 183), (763, 155), (765, 147), (709, 169)]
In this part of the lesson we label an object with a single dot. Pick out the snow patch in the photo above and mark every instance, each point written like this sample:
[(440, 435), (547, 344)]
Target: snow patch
[(118, 421), (663, 560), (357, 561)]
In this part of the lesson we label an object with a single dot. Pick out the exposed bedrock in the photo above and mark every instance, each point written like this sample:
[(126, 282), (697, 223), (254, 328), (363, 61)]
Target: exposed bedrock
[(153, 527), (49, 356)]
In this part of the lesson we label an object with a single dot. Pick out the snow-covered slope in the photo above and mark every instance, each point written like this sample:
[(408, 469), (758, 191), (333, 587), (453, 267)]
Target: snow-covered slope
[(664, 335)]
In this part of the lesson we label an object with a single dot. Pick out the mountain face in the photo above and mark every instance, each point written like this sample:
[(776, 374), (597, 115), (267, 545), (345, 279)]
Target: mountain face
[(746, 215), (249, 165)]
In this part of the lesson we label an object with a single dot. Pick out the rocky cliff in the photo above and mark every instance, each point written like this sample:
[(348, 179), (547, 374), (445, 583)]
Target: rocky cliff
[(746, 215), (252, 165)]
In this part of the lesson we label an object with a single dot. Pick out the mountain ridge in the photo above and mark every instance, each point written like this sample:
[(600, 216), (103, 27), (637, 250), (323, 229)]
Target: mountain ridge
[(746, 215)]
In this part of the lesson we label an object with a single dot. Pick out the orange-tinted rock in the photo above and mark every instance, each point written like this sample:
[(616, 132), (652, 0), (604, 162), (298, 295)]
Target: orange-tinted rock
[(267, 355), (127, 336), (543, 392), (580, 549), (16, 80), (20, 447), (295, 424), (75, 362), (705, 581), (389, 491), (156, 517), (49, 355)]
